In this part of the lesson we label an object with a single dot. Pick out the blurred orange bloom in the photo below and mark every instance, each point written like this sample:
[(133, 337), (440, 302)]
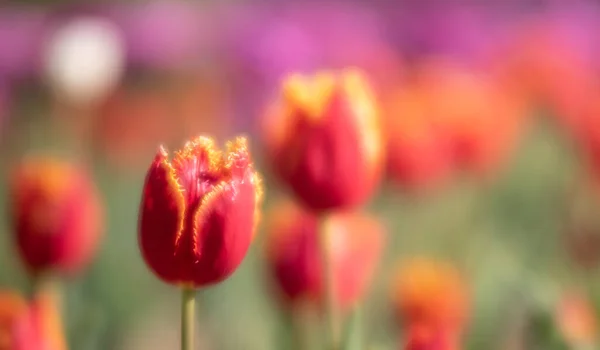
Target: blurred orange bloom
[(419, 152), (548, 66), (482, 118), (446, 118), (12, 307), (137, 118), (40, 327), (56, 215), (355, 242), (576, 319), (431, 294), (324, 139)]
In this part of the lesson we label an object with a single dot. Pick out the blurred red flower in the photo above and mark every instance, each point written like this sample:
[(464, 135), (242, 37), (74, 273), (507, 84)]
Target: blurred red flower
[(355, 242), (324, 140), (56, 215), (199, 211)]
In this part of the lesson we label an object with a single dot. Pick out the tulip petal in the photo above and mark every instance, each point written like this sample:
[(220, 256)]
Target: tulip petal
[(161, 219), (224, 223)]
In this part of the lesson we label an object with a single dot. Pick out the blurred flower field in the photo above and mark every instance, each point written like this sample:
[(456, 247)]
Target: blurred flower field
[(449, 151)]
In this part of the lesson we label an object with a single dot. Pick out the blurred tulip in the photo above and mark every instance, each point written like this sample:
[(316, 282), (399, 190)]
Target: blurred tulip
[(419, 152), (576, 320), (199, 212), (355, 244), (40, 327), (56, 215), (166, 34), (431, 294), (12, 307), (549, 59), (482, 119), (21, 40), (324, 139)]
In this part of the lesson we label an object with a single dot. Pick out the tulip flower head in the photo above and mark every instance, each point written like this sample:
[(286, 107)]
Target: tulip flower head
[(199, 212), (56, 215), (355, 242), (419, 151), (430, 293), (324, 138)]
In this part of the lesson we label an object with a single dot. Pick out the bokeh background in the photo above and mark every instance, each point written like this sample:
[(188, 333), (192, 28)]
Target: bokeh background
[(106, 83)]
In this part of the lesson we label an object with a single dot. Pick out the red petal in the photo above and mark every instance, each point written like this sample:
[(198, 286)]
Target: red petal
[(223, 230), (161, 219)]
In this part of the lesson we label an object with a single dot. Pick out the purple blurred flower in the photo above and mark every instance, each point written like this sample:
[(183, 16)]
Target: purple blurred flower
[(5, 104), (21, 36), (461, 32), (165, 34)]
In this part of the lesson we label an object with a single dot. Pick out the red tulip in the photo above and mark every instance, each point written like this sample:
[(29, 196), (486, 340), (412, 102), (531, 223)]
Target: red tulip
[(40, 327), (56, 215), (355, 242), (323, 136), (199, 211)]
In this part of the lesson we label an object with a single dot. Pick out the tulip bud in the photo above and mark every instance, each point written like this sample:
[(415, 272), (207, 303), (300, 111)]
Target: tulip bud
[(56, 215), (432, 294), (40, 327), (323, 136), (199, 212), (12, 306), (355, 242)]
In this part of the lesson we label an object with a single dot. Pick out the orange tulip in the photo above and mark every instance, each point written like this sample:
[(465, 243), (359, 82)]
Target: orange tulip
[(199, 212), (355, 242), (481, 118), (431, 294), (324, 139), (419, 152), (56, 215)]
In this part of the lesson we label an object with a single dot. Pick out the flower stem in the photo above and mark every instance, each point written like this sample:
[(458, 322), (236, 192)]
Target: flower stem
[(188, 305), (331, 309)]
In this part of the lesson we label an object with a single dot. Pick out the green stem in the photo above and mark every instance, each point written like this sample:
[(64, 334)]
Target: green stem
[(331, 309), (353, 337), (188, 306)]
